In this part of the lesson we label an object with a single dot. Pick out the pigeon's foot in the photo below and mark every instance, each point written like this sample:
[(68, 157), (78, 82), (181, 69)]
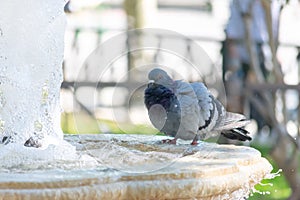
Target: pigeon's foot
[(168, 141), (31, 142), (194, 142)]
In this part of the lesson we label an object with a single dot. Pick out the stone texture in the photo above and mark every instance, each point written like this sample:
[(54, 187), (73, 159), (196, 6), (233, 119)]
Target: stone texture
[(140, 167)]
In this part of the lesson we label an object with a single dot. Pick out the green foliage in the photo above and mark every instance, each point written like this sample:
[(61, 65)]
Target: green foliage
[(75, 123), (276, 188), (271, 189)]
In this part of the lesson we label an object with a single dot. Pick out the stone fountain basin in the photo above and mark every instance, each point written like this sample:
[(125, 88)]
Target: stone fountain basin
[(140, 167)]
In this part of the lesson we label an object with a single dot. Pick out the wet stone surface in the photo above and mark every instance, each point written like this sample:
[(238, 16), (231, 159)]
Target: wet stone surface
[(108, 166)]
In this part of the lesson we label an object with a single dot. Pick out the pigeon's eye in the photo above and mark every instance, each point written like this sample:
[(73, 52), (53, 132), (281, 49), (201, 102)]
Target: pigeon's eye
[(150, 85)]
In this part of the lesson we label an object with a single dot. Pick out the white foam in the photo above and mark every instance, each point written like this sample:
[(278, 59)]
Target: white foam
[(59, 155), (31, 55)]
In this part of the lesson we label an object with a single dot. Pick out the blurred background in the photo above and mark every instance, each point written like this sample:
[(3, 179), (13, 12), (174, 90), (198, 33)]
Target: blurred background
[(246, 51)]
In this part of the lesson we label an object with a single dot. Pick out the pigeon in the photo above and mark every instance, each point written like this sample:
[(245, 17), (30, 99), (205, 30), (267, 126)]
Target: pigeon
[(189, 111)]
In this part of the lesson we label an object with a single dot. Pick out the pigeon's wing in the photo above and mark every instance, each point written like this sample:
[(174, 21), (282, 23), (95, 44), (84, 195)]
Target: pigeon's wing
[(216, 119), (231, 121), (210, 108), (189, 110), (230, 125), (187, 97)]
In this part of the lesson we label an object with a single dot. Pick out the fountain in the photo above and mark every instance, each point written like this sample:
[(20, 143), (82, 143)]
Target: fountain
[(31, 53), (38, 162), (31, 69)]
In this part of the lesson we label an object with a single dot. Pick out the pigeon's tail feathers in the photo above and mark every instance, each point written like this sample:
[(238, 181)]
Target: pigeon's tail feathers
[(232, 126), (237, 134), (234, 117), (231, 121)]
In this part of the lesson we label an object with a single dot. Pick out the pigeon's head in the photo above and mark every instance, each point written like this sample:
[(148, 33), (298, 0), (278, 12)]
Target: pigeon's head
[(161, 77)]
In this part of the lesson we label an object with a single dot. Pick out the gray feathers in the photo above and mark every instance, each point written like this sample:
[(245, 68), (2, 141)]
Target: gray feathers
[(199, 115), (163, 109)]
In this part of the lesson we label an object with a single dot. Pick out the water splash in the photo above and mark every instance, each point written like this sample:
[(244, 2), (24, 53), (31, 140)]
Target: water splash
[(266, 184), (31, 51), (31, 55), (273, 175), (267, 177), (259, 192)]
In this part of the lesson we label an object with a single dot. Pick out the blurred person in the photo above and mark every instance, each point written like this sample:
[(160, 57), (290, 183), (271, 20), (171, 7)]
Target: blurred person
[(237, 59)]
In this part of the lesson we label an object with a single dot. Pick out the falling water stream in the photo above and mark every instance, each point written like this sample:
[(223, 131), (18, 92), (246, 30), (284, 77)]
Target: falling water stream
[(31, 55)]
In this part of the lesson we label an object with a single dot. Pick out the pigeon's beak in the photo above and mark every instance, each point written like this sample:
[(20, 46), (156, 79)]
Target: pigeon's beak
[(150, 83)]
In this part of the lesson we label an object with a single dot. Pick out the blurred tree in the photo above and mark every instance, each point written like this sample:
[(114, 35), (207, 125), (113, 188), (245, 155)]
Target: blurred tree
[(250, 59), (140, 14)]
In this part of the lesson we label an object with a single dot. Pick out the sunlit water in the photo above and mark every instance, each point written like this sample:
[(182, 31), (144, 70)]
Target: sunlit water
[(269, 177), (87, 157), (109, 166), (31, 55), (124, 153)]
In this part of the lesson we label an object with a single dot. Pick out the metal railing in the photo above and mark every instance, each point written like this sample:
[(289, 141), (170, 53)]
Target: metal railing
[(132, 83)]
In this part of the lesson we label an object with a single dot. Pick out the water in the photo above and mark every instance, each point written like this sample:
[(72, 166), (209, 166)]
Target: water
[(31, 55), (108, 166)]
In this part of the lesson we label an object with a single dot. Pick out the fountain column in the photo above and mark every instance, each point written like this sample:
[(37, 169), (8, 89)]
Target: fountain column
[(31, 55)]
